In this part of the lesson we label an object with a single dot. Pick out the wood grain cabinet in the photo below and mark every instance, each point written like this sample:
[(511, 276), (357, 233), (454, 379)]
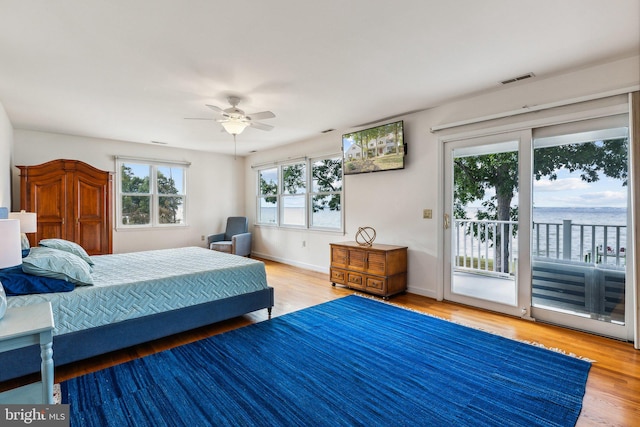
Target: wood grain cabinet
[(377, 269), (73, 202)]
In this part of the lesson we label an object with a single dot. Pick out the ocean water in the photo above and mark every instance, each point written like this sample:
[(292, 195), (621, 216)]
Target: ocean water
[(584, 216), (295, 216), (601, 231)]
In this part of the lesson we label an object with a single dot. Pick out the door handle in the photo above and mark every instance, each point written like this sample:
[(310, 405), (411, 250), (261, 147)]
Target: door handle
[(447, 221)]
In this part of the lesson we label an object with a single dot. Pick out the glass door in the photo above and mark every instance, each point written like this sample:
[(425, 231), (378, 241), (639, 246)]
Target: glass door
[(485, 207), (580, 242)]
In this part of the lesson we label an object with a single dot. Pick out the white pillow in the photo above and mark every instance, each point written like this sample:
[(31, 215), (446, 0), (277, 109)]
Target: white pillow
[(48, 262), (67, 246)]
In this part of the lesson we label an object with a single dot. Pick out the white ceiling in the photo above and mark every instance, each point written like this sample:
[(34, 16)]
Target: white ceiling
[(132, 70)]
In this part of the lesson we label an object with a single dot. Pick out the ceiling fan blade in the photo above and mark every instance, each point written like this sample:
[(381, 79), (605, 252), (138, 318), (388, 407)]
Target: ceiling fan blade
[(260, 126), (214, 108), (261, 115)]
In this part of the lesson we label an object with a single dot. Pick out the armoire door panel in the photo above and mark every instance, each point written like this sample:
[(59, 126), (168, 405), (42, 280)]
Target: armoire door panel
[(47, 196), (91, 210), (90, 200), (49, 230), (90, 237)]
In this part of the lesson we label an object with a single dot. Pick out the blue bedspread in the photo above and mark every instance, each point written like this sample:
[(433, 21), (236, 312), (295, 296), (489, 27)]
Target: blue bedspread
[(16, 282)]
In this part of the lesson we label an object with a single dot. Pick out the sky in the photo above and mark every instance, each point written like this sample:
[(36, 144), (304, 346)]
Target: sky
[(569, 190)]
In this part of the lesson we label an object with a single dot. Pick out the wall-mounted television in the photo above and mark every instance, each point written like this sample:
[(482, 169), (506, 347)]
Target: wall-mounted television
[(379, 148)]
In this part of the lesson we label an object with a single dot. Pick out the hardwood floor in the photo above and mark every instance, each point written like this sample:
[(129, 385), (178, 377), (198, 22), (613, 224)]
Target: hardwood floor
[(613, 388)]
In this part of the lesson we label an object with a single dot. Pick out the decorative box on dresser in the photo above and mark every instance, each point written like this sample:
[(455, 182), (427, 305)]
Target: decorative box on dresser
[(377, 269), (72, 201)]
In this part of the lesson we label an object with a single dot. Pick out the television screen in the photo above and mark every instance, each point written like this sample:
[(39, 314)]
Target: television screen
[(375, 149)]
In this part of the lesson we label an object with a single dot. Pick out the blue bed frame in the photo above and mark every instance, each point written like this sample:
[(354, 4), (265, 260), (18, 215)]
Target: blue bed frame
[(75, 346)]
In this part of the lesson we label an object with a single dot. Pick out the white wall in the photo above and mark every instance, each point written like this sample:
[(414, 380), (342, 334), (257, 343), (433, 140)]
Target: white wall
[(392, 201), (6, 149), (215, 183)]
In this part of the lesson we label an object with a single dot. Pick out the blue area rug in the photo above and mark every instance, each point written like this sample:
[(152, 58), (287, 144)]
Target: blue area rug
[(352, 361)]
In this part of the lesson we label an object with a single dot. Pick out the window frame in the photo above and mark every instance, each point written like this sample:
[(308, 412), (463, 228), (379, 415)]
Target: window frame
[(154, 194), (285, 195), (311, 193), (308, 194), (261, 196)]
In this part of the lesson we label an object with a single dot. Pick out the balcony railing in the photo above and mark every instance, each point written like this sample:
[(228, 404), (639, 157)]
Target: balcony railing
[(477, 241), (588, 243), (577, 268)]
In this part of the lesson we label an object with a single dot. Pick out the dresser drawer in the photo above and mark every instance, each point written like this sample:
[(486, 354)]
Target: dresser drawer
[(339, 276), (376, 284), (355, 281)]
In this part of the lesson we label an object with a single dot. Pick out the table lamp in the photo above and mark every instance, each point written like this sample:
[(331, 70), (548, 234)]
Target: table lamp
[(10, 252), (28, 224)]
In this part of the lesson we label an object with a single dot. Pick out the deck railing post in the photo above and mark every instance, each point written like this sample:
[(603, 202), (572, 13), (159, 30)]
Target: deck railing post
[(566, 239)]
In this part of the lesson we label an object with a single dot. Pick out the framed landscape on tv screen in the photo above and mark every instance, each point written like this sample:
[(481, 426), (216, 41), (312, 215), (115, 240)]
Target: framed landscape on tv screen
[(375, 149)]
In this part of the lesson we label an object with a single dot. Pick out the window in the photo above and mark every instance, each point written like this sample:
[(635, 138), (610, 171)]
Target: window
[(268, 196), (326, 193), (171, 194), (294, 198), (290, 196), (150, 194)]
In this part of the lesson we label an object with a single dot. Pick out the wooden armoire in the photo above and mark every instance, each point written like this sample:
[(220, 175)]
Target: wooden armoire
[(73, 202)]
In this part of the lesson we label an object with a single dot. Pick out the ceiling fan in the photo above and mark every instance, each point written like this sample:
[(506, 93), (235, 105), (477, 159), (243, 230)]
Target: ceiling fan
[(234, 120)]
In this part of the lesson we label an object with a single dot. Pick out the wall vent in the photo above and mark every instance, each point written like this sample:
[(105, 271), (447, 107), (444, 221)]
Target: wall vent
[(327, 131), (517, 79)]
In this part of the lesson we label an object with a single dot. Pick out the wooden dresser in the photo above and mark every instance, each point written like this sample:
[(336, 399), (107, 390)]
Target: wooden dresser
[(73, 202), (377, 269)]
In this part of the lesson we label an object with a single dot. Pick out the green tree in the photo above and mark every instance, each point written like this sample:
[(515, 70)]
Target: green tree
[(474, 175), (294, 179), (135, 209), (269, 188), (168, 205), (327, 178)]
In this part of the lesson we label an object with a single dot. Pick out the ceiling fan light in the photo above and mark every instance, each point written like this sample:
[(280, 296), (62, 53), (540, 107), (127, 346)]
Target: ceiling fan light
[(234, 127)]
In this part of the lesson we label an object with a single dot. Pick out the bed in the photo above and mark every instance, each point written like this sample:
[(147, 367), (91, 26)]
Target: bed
[(138, 297)]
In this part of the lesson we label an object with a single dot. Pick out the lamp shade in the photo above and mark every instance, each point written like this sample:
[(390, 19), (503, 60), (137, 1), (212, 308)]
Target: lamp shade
[(10, 249), (234, 127), (28, 221)]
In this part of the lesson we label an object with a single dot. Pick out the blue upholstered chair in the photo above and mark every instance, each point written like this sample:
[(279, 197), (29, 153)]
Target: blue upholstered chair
[(235, 240)]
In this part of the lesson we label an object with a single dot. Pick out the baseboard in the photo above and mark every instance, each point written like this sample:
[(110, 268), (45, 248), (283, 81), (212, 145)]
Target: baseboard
[(421, 291), (411, 289), (292, 263)]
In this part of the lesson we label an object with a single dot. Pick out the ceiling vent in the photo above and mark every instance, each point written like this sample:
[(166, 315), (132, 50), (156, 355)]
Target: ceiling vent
[(517, 79), (327, 131), (159, 142)]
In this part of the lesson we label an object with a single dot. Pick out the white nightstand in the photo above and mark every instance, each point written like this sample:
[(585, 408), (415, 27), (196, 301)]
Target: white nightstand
[(22, 327)]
